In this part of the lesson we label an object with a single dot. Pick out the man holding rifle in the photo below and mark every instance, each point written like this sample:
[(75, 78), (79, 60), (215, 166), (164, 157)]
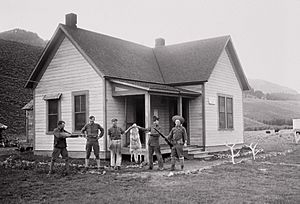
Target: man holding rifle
[(153, 143), (60, 146)]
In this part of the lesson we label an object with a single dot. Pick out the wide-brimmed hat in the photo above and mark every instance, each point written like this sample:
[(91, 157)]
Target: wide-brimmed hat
[(155, 118), (178, 117), (114, 119)]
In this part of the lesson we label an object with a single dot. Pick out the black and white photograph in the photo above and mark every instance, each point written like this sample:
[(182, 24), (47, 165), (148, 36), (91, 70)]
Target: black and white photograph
[(138, 101)]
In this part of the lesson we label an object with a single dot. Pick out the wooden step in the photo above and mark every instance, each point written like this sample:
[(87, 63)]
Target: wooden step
[(197, 151), (202, 156)]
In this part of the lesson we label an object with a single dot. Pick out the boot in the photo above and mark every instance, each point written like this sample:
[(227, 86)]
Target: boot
[(172, 164), (98, 163), (67, 167), (51, 168), (181, 163), (86, 163)]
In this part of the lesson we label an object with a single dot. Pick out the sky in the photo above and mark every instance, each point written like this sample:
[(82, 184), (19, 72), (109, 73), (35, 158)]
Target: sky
[(265, 33)]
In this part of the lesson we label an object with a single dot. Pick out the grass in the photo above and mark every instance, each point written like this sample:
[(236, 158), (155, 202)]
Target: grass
[(269, 179)]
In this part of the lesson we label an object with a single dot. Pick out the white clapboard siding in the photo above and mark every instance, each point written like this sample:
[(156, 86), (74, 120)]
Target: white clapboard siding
[(223, 80), (115, 108), (161, 104), (67, 72), (195, 116)]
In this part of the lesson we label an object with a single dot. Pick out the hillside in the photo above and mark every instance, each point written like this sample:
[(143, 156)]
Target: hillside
[(17, 60), (269, 87), (258, 113), (23, 36)]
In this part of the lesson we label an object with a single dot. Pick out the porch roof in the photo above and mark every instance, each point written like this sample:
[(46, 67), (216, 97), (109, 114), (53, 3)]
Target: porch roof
[(156, 88)]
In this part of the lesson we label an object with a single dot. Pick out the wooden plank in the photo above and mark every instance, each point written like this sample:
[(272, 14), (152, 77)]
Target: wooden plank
[(147, 121), (223, 80), (63, 74)]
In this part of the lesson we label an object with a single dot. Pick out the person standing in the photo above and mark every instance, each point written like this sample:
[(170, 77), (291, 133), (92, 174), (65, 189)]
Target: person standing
[(115, 134), (60, 146), (153, 143), (93, 132), (178, 138)]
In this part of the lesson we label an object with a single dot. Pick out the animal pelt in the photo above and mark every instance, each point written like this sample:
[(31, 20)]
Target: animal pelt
[(135, 146), (297, 136)]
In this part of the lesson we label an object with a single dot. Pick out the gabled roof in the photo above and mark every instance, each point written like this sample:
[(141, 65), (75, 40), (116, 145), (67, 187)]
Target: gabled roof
[(191, 62), (28, 106), (115, 57)]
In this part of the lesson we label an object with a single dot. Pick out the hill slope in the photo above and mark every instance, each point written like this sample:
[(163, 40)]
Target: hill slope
[(17, 60), (269, 87), (259, 112), (23, 36)]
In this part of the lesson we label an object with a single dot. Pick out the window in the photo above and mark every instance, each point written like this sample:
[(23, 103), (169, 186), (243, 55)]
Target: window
[(225, 112), (52, 111), (52, 114), (80, 110)]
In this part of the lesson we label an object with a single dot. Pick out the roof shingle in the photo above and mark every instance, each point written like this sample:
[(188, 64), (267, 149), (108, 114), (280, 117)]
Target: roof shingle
[(190, 62)]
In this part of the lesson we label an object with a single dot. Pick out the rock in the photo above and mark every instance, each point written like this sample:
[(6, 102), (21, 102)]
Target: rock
[(170, 174)]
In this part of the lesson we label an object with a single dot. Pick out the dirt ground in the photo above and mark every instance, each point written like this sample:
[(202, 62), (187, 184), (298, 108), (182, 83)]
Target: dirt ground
[(274, 177)]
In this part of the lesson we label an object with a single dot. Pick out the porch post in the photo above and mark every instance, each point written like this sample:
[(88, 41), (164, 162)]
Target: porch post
[(147, 123), (179, 105), (124, 140)]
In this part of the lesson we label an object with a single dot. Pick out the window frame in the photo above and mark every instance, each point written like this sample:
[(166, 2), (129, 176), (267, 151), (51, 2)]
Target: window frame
[(226, 97), (50, 132), (79, 93)]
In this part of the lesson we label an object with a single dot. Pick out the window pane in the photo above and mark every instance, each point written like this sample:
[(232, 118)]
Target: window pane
[(221, 120), (229, 105), (77, 103), (229, 120), (83, 103), (79, 120), (222, 104), (52, 122), (53, 107)]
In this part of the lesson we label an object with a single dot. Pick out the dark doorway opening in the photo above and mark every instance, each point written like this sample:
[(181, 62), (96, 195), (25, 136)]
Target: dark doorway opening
[(135, 113), (185, 115)]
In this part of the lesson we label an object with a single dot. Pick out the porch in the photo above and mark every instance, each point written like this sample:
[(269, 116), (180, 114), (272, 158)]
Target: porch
[(142, 100), (190, 152)]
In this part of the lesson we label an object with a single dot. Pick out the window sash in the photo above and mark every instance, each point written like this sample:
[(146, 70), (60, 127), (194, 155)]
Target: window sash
[(79, 111), (225, 112), (52, 114)]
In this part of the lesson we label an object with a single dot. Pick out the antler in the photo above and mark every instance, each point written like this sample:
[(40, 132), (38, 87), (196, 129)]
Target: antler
[(253, 149), (232, 152)]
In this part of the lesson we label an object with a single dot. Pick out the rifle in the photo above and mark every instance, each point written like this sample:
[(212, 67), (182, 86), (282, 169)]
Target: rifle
[(74, 135), (166, 139)]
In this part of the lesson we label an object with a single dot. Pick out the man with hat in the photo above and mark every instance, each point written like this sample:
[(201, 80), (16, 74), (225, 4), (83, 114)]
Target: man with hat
[(60, 146), (153, 143), (178, 137), (93, 132), (115, 134)]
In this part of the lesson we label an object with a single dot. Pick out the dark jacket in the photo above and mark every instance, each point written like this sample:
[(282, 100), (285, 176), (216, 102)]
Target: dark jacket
[(92, 131), (115, 133), (59, 138), (178, 135), (154, 136)]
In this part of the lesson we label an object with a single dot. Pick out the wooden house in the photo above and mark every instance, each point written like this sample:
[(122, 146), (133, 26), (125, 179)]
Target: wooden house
[(82, 73), (28, 108)]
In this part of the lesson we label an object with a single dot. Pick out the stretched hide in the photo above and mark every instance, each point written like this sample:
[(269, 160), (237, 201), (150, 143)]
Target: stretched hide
[(135, 146)]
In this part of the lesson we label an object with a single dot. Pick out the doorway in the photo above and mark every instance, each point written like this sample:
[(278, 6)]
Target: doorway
[(185, 115), (135, 113)]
